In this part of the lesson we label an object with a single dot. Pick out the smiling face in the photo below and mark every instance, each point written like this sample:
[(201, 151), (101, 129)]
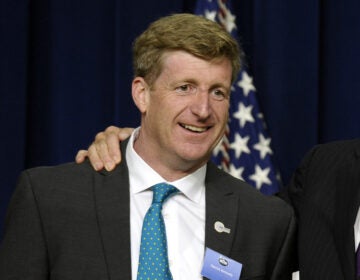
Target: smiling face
[(184, 112)]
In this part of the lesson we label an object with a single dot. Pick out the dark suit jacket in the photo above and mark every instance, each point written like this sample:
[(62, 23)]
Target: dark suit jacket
[(70, 222), (325, 193)]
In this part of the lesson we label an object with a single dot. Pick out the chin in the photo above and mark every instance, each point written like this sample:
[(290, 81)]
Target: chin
[(198, 154)]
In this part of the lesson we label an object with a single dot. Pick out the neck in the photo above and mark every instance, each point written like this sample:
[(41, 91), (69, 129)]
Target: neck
[(171, 169)]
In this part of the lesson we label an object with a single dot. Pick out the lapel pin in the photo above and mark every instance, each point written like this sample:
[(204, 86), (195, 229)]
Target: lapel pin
[(219, 227)]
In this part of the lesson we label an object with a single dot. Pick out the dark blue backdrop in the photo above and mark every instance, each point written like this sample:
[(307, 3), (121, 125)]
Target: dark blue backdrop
[(66, 72)]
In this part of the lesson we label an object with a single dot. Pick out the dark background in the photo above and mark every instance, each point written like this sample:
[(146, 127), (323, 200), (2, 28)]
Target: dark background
[(65, 74)]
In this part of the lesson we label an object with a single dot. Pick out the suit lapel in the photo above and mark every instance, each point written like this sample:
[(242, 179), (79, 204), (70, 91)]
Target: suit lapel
[(347, 204), (113, 210), (221, 206), (111, 191)]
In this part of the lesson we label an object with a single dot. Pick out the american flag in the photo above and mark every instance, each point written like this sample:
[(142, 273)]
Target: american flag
[(245, 151)]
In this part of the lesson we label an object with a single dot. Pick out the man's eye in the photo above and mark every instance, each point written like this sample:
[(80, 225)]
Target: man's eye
[(185, 89), (219, 94)]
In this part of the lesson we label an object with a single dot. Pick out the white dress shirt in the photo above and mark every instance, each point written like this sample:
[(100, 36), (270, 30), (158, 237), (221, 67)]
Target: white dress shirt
[(184, 215), (357, 230)]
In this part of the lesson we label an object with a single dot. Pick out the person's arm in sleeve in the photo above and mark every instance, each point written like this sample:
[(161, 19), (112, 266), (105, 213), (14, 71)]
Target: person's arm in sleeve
[(23, 253), (286, 262)]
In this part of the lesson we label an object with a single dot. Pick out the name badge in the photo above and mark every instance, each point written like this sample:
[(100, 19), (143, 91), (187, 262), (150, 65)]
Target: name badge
[(217, 266)]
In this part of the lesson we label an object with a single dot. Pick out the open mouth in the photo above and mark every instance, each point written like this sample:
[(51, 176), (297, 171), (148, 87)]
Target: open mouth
[(194, 128)]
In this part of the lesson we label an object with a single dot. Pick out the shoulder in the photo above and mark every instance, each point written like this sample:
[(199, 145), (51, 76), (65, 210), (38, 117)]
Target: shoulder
[(249, 197), (335, 150), (59, 172), (329, 157), (322, 167), (45, 179)]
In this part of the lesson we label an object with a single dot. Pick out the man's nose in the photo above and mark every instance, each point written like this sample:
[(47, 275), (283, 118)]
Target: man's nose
[(201, 104)]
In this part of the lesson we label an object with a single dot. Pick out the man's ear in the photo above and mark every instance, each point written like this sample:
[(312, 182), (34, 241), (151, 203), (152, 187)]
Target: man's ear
[(140, 93)]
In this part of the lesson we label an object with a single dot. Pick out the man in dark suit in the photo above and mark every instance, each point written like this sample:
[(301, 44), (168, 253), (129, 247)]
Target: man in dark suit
[(325, 193), (71, 222)]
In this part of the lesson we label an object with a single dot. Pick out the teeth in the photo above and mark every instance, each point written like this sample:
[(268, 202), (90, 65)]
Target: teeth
[(194, 128)]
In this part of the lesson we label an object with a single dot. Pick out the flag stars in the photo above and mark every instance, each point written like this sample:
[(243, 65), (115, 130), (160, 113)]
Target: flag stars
[(246, 83), (261, 176), (251, 154), (227, 19), (240, 145), (244, 114), (211, 15), (236, 172), (263, 146)]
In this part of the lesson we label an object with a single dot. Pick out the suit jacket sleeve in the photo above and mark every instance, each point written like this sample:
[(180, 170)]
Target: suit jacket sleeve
[(324, 192), (23, 249), (286, 260)]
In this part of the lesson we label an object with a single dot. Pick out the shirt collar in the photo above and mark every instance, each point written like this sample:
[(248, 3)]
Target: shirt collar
[(142, 176)]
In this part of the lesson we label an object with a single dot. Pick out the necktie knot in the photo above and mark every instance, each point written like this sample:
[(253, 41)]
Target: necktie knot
[(162, 191)]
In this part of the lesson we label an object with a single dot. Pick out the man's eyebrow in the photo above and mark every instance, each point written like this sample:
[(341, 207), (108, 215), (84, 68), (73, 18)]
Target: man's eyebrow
[(221, 85)]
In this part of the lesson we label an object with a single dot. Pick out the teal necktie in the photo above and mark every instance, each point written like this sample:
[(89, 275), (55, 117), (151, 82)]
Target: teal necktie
[(153, 259)]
